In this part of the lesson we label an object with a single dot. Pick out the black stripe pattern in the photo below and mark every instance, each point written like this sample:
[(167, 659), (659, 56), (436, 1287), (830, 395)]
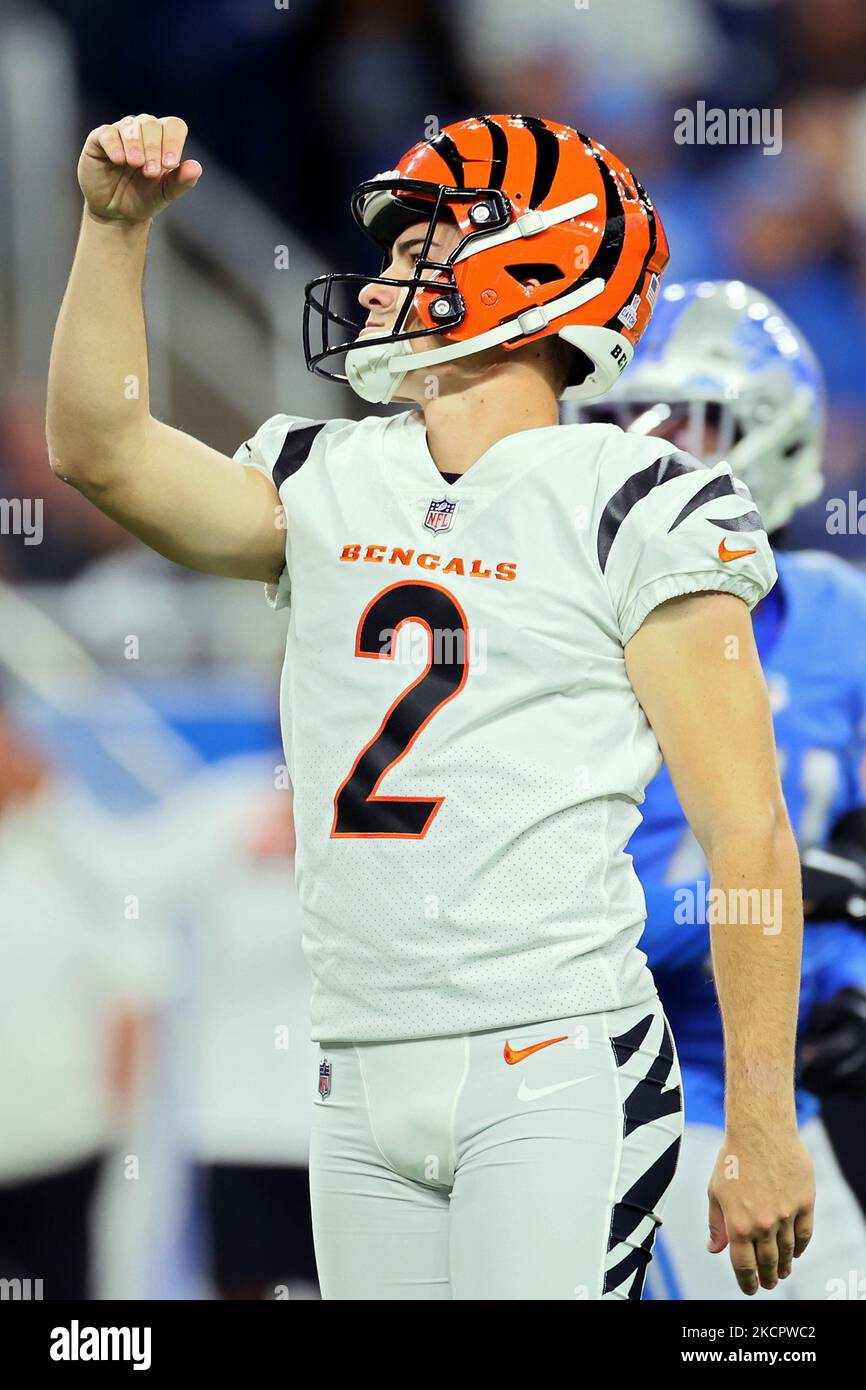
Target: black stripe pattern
[(447, 150), (616, 322), (716, 487), (749, 521), (606, 258), (295, 451), (720, 487), (546, 158), (498, 151), (635, 1219), (633, 490)]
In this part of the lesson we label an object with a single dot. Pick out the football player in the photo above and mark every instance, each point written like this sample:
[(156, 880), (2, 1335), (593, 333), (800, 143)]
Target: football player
[(496, 624), (724, 373)]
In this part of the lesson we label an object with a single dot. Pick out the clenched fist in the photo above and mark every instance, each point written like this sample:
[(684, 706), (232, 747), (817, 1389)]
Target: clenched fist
[(130, 171), (762, 1198)]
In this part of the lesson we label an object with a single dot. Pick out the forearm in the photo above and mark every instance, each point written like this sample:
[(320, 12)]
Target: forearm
[(98, 405), (175, 493), (756, 933)]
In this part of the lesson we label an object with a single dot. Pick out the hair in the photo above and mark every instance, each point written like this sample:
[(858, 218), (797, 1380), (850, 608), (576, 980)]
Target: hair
[(568, 365)]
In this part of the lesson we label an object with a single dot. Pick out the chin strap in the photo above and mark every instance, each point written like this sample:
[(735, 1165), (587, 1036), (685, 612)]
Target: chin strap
[(524, 325), (375, 373)]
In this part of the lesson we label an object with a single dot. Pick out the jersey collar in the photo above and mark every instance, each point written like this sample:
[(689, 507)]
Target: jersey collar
[(411, 472)]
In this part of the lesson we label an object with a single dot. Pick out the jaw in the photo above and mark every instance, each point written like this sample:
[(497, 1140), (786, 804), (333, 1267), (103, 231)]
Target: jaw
[(425, 383), (369, 377), (464, 376)]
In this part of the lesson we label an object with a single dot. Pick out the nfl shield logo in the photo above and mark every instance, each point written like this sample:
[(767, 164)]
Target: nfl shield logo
[(440, 515), (324, 1078)]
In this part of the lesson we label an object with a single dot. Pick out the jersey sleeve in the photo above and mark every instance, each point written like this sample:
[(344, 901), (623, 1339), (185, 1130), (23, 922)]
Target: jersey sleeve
[(277, 449), (671, 526)]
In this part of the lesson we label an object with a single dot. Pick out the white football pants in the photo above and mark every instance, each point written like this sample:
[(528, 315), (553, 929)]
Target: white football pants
[(527, 1163), (832, 1267)]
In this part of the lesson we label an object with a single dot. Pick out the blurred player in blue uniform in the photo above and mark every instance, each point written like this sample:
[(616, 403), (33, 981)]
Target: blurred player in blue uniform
[(727, 376)]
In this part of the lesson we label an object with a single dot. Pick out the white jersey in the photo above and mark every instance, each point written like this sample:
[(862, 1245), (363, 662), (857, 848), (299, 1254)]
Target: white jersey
[(466, 750)]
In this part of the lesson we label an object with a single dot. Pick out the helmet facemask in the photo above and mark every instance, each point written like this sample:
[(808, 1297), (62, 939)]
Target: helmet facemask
[(384, 208)]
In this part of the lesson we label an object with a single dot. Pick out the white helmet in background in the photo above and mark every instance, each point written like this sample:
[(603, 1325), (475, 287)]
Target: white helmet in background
[(726, 375)]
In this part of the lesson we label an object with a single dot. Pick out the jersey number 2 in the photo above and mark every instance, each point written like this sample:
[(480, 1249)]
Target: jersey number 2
[(359, 812)]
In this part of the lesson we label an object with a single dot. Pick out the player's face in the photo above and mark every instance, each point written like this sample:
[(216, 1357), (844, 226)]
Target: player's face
[(384, 302)]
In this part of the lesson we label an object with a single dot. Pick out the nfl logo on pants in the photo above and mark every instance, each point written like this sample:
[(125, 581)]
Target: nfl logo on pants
[(324, 1078)]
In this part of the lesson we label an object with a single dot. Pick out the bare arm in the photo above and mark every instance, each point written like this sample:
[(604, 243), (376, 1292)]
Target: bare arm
[(186, 500), (695, 669)]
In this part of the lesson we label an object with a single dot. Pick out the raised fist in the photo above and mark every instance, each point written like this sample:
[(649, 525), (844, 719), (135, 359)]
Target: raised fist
[(130, 171)]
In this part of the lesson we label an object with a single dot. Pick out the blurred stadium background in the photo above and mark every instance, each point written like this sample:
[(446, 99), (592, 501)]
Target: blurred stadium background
[(163, 1031)]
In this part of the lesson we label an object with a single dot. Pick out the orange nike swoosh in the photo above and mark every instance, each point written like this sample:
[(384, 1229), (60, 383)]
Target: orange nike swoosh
[(511, 1056), (726, 554)]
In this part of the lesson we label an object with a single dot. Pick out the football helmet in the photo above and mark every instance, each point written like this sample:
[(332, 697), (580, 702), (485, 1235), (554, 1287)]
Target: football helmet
[(726, 375), (530, 199)]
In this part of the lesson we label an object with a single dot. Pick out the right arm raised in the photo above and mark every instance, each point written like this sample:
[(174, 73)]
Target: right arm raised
[(186, 500)]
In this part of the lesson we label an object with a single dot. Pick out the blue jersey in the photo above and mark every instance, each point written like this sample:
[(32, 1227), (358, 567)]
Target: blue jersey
[(811, 635)]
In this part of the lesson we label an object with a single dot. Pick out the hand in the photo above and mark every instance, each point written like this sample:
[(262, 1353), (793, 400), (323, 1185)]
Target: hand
[(762, 1198), (129, 171)]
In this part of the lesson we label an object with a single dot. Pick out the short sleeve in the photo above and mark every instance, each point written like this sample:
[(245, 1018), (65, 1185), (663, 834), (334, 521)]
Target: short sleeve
[(674, 526), (277, 450)]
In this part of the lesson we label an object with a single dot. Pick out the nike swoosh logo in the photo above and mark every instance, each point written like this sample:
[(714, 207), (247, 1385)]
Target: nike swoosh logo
[(511, 1056), (725, 554), (524, 1093)]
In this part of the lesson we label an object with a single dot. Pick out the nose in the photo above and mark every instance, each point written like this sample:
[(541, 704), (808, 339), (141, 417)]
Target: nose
[(376, 296)]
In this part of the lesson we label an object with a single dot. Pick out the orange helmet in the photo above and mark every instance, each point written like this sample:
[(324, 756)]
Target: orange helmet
[(532, 200)]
